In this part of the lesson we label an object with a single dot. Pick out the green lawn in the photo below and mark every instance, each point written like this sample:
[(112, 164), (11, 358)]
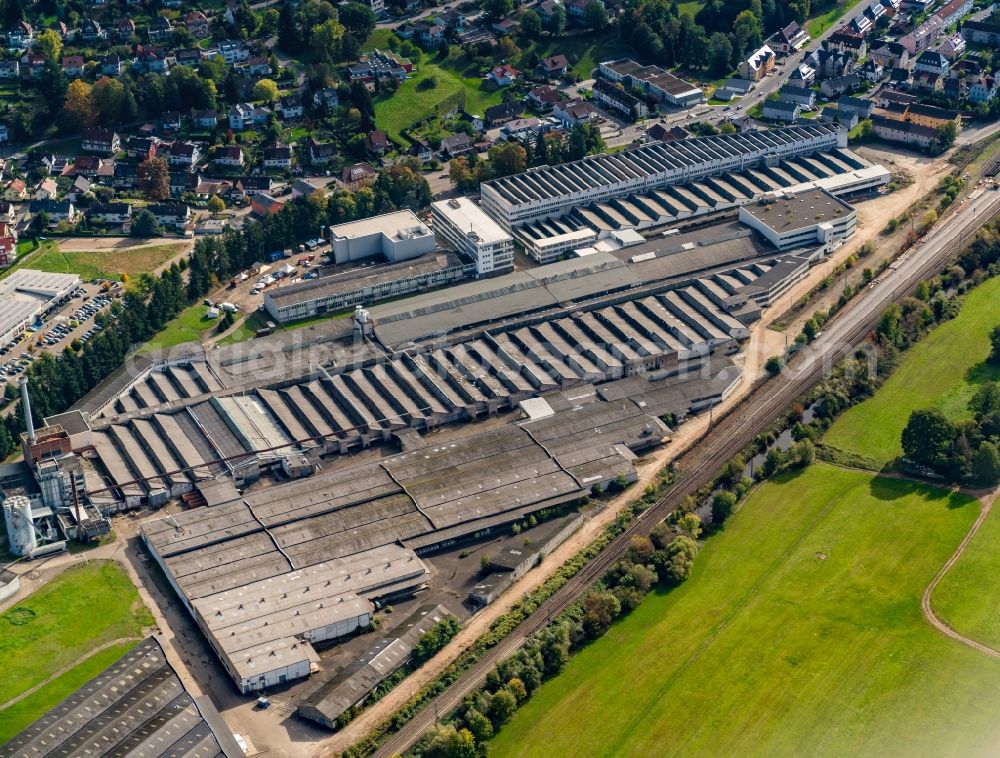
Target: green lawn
[(943, 370), (104, 264), (63, 621), (247, 329), (968, 597), (583, 53), (690, 7), (798, 633), (188, 326), (823, 21), (21, 714)]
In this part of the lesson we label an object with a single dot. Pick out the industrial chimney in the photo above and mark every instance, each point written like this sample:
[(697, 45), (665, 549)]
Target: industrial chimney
[(26, 406)]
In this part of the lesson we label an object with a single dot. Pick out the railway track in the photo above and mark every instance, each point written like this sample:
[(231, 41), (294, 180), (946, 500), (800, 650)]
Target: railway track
[(722, 442)]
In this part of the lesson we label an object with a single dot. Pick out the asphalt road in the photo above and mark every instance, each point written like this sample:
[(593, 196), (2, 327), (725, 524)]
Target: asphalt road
[(726, 439)]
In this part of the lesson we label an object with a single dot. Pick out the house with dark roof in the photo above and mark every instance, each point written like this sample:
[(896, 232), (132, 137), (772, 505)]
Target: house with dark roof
[(100, 140), (789, 39), (616, 98), (553, 67), (544, 97), (782, 110), (455, 145), (377, 143), (291, 106), (278, 156), (358, 175), (320, 153), (503, 112), (805, 97)]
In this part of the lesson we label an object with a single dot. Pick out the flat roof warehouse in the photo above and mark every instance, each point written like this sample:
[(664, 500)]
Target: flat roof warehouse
[(785, 212)]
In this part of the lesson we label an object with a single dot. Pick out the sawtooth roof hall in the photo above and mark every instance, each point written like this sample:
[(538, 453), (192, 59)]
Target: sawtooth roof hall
[(553, 190)]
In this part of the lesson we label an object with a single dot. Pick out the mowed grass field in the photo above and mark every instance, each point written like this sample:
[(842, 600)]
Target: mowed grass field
[(798, 633), (188, 326), (943, 371), (104, 264), (968, 597), (59, 625)]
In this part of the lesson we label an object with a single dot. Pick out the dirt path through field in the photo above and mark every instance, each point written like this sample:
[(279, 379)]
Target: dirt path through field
[(925, 601)]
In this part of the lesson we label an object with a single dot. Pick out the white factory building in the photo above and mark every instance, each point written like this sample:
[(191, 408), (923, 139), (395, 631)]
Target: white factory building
[(550, 191), (395, 236), (812, 217), (464, 226), (27, 293)]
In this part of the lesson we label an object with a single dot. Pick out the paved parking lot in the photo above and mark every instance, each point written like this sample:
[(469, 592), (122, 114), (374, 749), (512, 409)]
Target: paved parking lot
[(71, 318)]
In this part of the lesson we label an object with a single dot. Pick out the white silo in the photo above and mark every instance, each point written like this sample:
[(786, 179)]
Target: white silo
[(20, 528)]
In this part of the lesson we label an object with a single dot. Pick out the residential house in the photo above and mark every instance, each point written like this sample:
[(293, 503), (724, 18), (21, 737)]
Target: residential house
[(230, 156), (20, 36), (58, 211), (952, 12), (8, 213), (72, 66), (189, 56), (421, 150), (291, 106), (234, 51), (183, 153), (840, 85), (899, 77), (79, 188), (503, 112), (952, 48), (758, 65), (429, 33), (278, 157), (803, 96), (925, 81), (8, 245), (932, 62), (265, 205), (504, 26), (803, 75), (932, 116), (503, 75), (455, 145), (140, 148), (240, 116), (660, 133), (87, 165), (871, 70), (197, 24), (361, 174), (846, 119), (574, 111), (981, 33), (258, 65), (544, 97), (110, 213), (248, 186), (91, 31), (125, 175), (576, 10), (830, 63), (616, 98), (36, 63), (326, 99), (170, 121), (160, 30), (376, 143), (111, 65), (954, 88), (861, 24), (923, 36), (902, 131), (845, 41), (100, 140), (320, 153), (982, 88), (782, 110), (863, 108), (15, 190), (205, 119), (182, 182), (788, 40), (124, 29), (553, 67), (10, 69), (172, 216), (151, 61)]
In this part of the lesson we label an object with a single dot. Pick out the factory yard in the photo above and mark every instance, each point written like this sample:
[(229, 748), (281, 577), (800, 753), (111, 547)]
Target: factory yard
[(942, 371), (90, 609), (832, 563)]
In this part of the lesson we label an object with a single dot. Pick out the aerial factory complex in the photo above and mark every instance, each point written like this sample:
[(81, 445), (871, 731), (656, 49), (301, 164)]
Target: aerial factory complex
[(317, 485)]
